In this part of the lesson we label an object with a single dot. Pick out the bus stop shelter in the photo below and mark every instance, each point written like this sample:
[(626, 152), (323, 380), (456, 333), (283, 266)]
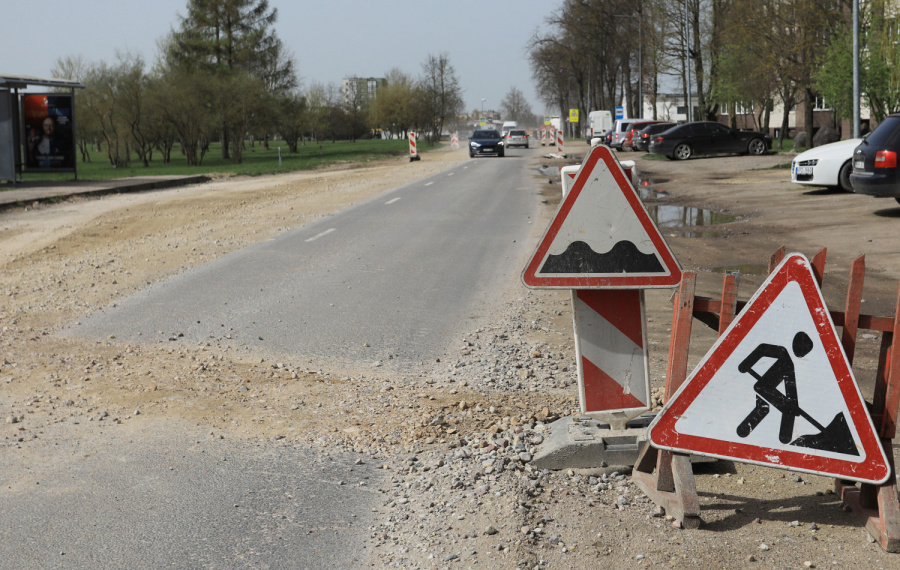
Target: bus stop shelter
[(15, 148)]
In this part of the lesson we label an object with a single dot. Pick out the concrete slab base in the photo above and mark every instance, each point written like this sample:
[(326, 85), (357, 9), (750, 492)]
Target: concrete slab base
[(581, 442)]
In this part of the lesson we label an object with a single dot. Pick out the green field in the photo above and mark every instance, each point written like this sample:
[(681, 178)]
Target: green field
[(256, 160)]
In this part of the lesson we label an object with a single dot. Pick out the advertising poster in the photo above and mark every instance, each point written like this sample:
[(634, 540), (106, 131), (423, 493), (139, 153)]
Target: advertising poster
[(49, 131)]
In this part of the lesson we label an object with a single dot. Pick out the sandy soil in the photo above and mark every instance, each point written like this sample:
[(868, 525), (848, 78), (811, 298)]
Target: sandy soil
[(61, 261)]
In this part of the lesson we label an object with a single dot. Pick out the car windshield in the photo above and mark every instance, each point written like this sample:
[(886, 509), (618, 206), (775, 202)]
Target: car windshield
[(486, 135), (886, 133), (517, 133)]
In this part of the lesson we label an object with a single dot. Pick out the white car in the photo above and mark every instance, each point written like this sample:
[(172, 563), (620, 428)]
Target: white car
[(826, 165)]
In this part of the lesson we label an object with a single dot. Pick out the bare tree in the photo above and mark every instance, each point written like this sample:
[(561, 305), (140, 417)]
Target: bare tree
[(441, 93), (515, 107)]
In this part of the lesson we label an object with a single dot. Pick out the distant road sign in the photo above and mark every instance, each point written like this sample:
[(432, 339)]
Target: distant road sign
[(620, 112), (602, 236), (573, 115), (776, 389)]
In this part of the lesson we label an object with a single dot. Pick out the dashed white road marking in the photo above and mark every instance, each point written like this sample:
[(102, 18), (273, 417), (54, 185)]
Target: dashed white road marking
[(317, 236), (391, 201)]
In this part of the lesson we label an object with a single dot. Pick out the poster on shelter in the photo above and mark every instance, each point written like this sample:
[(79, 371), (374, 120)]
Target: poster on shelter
[(49, 131)]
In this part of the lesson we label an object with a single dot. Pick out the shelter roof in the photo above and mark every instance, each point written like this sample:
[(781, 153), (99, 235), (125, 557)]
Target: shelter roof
[(23, 81)]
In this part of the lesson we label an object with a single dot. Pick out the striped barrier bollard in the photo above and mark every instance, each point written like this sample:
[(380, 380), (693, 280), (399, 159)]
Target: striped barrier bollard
[(454, 141), (413, 153), (560, 143), (543, 136)]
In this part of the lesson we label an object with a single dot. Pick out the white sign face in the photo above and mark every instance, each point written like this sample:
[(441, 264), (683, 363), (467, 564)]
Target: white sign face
[(776, 389), (602, 236)]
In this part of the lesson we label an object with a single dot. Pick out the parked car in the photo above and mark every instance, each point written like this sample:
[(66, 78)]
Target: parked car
[(633, 130), (707, 137), (642, 140), (486, 141), (619, 130), (516, 138), (827, 165), (875, 161)]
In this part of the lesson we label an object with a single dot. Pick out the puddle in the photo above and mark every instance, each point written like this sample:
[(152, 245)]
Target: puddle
[(648, 193), (749, 269), (669, 216)]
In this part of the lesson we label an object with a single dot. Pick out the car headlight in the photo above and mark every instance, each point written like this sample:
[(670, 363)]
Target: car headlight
[(501, 143), (474, 144)]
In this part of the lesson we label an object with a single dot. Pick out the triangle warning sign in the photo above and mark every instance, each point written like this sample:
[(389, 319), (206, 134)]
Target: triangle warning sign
[(602, 236), (776, 389)]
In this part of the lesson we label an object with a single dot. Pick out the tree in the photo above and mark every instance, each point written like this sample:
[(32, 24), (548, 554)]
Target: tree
[(393, 110), (441, 93), (879, 72), (515, 107), (227, 37)]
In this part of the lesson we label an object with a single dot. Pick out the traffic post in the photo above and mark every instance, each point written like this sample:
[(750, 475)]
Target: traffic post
[(560, 143), (413, 153), (604, 247), (454, 141)]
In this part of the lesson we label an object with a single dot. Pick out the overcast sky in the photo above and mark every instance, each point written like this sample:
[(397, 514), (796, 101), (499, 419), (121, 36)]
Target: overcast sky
[(330, 39)]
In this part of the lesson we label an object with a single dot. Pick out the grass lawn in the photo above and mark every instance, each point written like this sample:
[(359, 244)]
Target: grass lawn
[(256, 160)]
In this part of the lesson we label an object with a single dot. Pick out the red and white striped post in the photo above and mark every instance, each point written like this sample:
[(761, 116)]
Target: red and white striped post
[(413, 153), (454, 141), (543, 136), (560, 143)]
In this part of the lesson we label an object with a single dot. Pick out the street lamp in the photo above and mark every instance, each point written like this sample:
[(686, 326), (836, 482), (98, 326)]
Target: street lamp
[(482, 111), (640, 58)]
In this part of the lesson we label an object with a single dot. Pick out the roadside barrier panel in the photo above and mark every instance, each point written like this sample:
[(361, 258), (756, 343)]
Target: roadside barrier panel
[(413, 153), (667, 477)]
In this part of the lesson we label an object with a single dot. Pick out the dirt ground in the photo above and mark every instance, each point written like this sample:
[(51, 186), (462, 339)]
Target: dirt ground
[(61, 261)]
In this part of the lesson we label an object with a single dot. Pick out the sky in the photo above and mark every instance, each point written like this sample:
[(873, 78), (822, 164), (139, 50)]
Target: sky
[(486, 42)]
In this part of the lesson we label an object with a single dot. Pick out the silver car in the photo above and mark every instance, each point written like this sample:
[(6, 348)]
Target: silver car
[(517, 138)]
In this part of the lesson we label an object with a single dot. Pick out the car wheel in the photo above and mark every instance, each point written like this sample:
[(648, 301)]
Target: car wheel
[(682, 151), (757, 147), (471, 155), (501, 154), (844, 177)]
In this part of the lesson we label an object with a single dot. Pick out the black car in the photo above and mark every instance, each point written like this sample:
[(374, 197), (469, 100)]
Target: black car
[(707, 137), (875, 161), (641, 140), (486, 141)]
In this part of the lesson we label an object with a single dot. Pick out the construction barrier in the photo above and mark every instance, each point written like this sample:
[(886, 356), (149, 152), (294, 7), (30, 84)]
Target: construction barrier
[(560, 143), (454, 141), (667, 476)]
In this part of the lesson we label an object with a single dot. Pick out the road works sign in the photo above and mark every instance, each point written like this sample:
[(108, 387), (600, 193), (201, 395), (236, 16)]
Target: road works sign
[(776, 390), (602, 236)]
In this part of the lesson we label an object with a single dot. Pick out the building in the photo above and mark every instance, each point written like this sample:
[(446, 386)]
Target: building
[(359, 92)]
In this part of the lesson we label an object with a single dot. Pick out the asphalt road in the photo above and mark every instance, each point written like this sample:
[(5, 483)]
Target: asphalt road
[(392, 280), (403, 273), (173, 496)]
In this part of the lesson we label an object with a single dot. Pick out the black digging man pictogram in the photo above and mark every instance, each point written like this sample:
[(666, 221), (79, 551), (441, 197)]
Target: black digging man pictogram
[(835, 437)]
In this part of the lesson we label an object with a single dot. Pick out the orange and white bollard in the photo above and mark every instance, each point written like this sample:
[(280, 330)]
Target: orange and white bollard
[(560, 143), (413, 153), (454, 141)]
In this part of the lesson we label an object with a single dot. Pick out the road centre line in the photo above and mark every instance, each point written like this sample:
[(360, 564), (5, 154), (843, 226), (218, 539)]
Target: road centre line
[(391, 201), (317, 236)]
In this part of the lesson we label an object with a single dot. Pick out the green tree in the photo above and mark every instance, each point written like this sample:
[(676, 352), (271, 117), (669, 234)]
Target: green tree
[(232, 38)]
